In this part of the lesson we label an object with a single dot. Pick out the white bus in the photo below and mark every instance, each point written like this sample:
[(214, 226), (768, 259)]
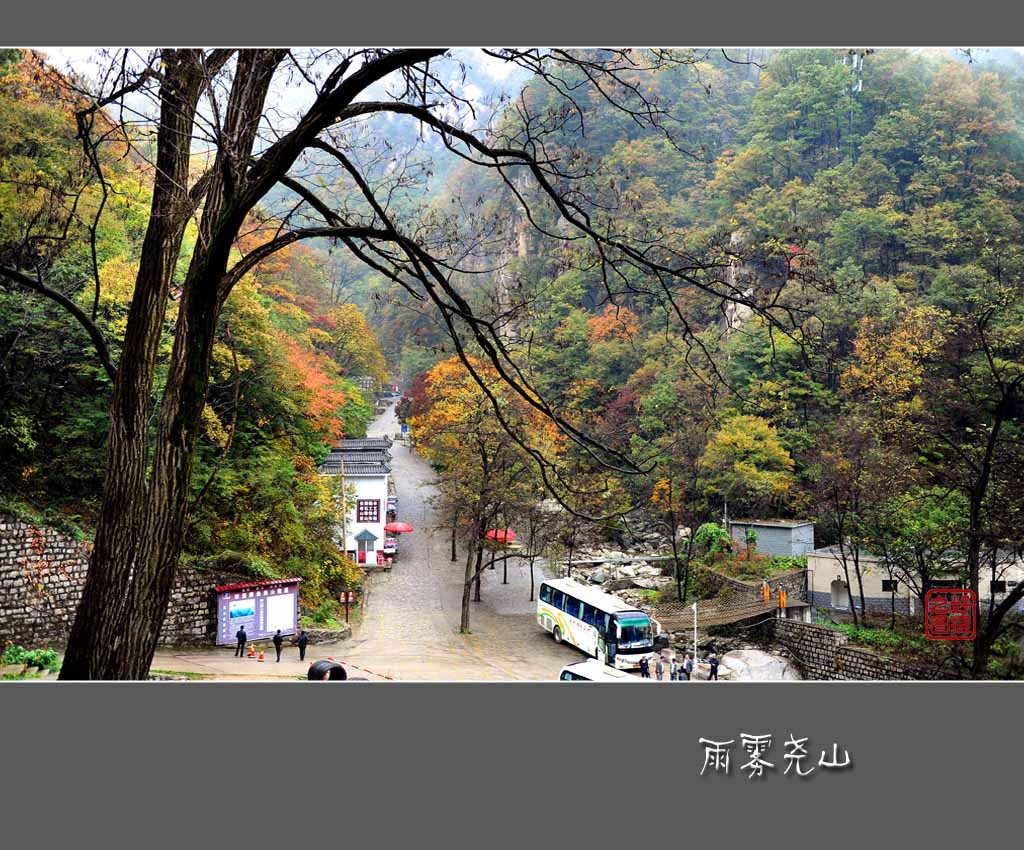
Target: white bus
[(595, 671), (598, 623)]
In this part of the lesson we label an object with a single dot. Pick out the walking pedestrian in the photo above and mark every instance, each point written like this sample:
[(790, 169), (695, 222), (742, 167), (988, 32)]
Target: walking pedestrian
[(659, 668), (673, 670), (687, 670), (713, 661), (303, 640), (278, 642), (241, 636), (645, 668)]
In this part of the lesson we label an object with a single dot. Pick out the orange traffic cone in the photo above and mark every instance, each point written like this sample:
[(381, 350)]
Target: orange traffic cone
[(261, 656), (252, 650)]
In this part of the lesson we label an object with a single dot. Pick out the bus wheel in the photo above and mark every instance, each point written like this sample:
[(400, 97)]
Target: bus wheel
[(556, 633)]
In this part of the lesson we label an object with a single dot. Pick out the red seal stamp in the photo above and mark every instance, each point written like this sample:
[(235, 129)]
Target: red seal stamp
[(950, 614)]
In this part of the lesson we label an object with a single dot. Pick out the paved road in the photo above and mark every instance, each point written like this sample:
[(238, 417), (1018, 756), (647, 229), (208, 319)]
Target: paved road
[(410, 625), (411, 618)]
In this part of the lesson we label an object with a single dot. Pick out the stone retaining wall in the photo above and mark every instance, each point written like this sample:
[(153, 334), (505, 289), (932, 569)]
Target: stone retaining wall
[(42, 573), (824, 653)]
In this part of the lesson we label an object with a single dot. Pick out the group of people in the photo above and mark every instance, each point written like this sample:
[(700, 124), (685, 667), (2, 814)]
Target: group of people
[(302, 642), (678, 671)]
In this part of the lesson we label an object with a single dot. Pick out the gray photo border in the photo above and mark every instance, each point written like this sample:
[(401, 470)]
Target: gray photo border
[(481, 764)]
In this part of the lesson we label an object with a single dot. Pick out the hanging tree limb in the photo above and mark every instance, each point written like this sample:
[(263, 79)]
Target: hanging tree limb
[(60, 298)]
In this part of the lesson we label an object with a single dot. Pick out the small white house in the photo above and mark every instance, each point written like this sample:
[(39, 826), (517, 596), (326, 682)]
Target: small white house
[(365, 465), (790, 537)]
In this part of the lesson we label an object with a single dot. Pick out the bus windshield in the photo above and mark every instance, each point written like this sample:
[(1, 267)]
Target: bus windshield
[(636, 631)]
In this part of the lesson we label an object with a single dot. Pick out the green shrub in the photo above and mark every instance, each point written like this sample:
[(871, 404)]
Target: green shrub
[(48, 659)]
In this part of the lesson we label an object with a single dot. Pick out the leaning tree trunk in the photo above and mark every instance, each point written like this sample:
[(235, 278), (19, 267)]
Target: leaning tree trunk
[(136, 556), (95, 647), (466, 586), (479, 570)]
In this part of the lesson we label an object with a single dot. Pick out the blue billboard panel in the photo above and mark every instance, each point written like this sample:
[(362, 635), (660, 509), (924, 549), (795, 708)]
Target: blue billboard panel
[(260, 607)]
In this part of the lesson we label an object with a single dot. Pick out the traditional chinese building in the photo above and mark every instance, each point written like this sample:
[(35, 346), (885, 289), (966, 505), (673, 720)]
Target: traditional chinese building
[(365, 466)]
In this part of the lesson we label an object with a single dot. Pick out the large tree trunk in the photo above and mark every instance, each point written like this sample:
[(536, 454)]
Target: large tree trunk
[(96, 648), (132, 572)]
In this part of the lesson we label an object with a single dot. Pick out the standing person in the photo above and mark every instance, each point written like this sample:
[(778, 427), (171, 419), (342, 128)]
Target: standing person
[(713, 661), (659, 668), (645, 668), (687, 670), (278, 641), (241, 636), (673, 670), (303, 640)]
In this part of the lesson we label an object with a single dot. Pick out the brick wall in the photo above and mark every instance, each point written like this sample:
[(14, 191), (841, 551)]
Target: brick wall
[(823, 653), (42, 572)]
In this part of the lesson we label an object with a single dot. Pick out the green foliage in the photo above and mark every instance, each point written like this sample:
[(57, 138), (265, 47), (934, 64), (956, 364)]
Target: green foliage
[(46, 659), (713, 538)]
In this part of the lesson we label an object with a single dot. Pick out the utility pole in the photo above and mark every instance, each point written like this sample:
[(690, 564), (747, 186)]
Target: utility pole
[(344, 507), (694, 607)]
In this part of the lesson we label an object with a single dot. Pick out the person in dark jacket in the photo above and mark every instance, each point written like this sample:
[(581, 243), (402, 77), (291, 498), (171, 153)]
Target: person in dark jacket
[(645, 668), (303, 640), (713, 661), (278, 641), (242, 637)]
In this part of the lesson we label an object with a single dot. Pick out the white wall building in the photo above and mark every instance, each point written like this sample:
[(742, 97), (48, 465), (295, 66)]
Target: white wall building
[(365, 466), (826, 581)]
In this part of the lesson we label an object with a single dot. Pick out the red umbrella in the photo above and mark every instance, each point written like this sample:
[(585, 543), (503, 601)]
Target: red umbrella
[(502, 535), (398, 527)]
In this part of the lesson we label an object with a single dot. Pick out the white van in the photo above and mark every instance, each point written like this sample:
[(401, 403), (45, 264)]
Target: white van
[(593, 670)]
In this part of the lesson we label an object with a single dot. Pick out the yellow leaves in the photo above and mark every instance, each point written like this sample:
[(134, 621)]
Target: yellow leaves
[(890, 364), (660, 493), (214, 429)]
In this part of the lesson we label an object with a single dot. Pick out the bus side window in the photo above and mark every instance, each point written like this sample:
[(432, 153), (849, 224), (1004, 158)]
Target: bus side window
[(567, 676), (588, 615), (603, 623), (545, 593), (557, 598), (572, 607)]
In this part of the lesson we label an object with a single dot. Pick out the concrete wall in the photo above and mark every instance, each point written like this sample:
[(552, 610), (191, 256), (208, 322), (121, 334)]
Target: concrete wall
[(42, 573), (777, 539)]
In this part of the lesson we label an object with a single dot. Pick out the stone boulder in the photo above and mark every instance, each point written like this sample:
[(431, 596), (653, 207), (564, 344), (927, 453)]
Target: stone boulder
[(755, 665)]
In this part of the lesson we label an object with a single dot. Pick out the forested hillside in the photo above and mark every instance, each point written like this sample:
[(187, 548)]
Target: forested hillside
[(281, 389), (872, 213), (672, 285)]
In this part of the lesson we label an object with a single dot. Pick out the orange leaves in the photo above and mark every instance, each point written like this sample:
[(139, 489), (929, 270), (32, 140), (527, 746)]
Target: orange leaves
[(615, 323), (325, 399)]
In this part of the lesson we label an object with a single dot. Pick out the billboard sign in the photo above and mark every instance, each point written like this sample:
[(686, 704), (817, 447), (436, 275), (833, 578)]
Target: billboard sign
[(261, 607)]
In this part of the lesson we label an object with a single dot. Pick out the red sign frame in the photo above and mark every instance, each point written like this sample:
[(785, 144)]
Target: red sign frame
[(942, 602)]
